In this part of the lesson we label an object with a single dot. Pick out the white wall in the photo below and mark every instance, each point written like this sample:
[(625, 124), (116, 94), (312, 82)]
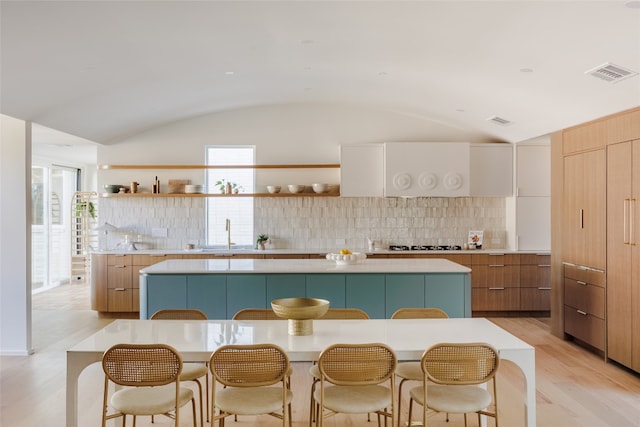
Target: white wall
[(15, 236)]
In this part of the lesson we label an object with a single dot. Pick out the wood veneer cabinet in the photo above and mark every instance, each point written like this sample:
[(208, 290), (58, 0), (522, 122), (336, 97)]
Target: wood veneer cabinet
[(115, 285), (584, 304), (495, 282), (584, 137), (623, 254), (121, 294), (595, 162), (535, 282), (584, 213)]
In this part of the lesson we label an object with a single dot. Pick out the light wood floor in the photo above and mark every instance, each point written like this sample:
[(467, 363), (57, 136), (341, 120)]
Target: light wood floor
[(575, 388)]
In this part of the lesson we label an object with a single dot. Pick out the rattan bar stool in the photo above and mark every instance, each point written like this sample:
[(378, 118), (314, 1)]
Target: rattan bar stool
[(150, 375), (412, 371), (352, 378), (248, 374), (256, 314), (190, 371), (452, 373), (332, 313)]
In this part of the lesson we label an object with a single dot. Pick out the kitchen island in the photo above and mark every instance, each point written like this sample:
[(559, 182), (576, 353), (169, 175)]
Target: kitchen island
[(221, 287)]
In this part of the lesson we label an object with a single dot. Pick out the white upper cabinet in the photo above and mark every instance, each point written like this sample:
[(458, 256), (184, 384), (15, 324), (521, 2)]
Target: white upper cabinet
[(533, 170), (533, 223), (361, 170), (448, 169), (432, 169), (533, 196), (491, 170)]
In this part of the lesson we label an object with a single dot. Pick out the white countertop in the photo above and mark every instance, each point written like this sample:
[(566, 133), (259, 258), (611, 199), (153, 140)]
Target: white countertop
[(204, 266)]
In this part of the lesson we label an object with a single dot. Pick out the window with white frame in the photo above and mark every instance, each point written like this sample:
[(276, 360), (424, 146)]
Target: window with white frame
[(238, 210)]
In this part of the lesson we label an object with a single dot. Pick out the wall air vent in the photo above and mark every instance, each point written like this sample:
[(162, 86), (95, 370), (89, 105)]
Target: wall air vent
[(611, 73), (500, 121)]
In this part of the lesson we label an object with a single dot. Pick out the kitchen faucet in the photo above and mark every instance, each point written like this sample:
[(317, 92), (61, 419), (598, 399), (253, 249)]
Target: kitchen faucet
[(228, 228)]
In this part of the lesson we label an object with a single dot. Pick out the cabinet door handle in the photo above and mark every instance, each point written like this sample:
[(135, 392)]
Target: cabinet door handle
[(632, 221), (119, 266), (496, 289), (582, 312), (581, 218), (544, 289), (118, 289), (625, 221), (581, 283), (161, 255), (120, 255), (496, 265), (496, 254), (544, 265)]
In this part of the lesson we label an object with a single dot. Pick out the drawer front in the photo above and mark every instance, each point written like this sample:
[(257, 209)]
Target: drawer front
[(118, 259), (119, 276), (595, 277), (503, 299), (535, 276), (495, 275), (150, 259), (587, 328), (535, 259), (585, 297), (505, 259), (121, 300), (535, 299)]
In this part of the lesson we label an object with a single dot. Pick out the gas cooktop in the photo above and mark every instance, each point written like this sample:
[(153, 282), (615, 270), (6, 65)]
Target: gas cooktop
[(425, 248)]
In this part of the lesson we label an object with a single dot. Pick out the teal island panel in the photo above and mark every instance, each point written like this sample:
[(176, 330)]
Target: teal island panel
[(380, 295)]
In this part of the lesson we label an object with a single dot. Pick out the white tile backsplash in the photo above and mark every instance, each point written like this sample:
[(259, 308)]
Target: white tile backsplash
[(316, 222)]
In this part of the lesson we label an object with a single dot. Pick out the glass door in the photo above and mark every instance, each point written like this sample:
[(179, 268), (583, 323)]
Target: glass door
[(52, 188)]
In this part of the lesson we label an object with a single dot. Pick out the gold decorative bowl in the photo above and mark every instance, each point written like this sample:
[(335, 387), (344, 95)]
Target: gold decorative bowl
[(300, 312)]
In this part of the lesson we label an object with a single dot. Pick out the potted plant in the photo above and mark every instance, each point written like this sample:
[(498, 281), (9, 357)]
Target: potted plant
[(228, 187), (261, 241), (85, 206)]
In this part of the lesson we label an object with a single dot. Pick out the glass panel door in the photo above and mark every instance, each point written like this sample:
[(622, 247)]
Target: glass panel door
[(52, 191)]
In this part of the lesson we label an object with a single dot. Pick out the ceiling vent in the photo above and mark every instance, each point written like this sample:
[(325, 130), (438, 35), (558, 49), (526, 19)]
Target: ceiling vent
[(611, 73), (500, 121)]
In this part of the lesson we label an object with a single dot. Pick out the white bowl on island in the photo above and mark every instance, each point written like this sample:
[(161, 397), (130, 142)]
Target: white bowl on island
[(346, 259)]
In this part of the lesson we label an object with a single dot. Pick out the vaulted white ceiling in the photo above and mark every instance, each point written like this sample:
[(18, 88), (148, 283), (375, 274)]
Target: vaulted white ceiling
[(103, 70)]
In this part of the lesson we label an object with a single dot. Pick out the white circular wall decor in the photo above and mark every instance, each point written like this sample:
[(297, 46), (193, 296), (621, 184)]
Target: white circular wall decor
[(402, 181), (453, 181), (428, 180)]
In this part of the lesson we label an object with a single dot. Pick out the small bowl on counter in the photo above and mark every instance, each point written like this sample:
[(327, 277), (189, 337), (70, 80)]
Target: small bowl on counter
[(320, 188), (295, 188), (346, 259), (273, 189)]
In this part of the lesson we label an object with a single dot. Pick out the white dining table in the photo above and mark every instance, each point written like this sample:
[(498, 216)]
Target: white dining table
[(196, 340)]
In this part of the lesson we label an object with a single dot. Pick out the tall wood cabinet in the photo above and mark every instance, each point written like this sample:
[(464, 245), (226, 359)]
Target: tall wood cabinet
[(596, 217), (584, 216), (623, 254), (584, 221)]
